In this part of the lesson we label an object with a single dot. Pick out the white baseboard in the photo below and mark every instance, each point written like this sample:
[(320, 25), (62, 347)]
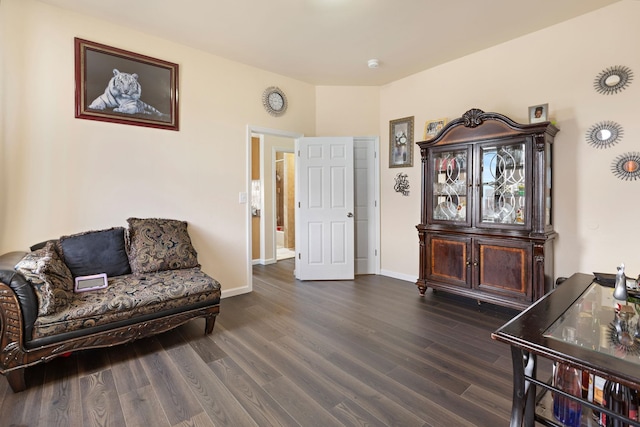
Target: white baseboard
[(235, 291), (263, 261), (399, 276)]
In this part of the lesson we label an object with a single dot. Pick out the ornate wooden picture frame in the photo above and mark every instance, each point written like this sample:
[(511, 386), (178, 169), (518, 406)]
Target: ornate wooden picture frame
[(109, 83), (401, 142)]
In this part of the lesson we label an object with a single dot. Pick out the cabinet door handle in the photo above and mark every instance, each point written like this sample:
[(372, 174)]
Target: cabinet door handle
[(468, 263), (475, 263)]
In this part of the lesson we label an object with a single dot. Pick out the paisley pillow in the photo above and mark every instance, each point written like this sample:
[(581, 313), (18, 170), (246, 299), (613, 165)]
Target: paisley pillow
[(31, 265), (50, 278), (160, 244)]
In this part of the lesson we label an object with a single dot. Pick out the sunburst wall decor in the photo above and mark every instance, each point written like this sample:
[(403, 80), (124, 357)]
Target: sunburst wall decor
[(604, 134), (613, 80), (627, 166)]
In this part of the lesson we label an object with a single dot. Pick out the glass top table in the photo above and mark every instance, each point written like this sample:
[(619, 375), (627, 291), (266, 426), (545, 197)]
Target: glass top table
[(580, 324), (601, 323)]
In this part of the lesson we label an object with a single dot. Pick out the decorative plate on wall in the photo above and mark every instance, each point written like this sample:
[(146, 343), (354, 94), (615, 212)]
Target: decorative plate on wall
[(604, 134), (627, 166), (613, 79)]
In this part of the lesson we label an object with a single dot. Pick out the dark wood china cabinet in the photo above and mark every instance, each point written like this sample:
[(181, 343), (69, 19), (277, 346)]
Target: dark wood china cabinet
[(486, 228)]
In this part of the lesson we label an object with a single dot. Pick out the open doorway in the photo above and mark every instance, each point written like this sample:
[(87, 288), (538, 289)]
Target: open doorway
[(284, 191), (367, 248), (262, 145)]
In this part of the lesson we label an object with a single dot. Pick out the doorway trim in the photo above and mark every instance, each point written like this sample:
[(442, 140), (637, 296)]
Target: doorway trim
[(256, 130)]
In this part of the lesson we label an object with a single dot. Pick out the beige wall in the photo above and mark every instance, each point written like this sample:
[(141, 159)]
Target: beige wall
[(594, 211), (62, 175), (347, 110)]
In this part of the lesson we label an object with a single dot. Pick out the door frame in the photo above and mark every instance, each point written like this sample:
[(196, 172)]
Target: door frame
[(252, 130), (374, 225)]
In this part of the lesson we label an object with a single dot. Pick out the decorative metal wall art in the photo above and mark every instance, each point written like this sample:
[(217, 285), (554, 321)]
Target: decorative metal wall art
[(402, 184), (613, 80), (604, 134), (627, 166)]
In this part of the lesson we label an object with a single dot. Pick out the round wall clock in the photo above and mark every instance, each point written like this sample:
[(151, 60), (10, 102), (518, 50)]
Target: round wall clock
[(274, 101)]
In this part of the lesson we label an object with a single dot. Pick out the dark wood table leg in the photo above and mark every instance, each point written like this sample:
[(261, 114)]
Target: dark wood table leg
[(523, 405)]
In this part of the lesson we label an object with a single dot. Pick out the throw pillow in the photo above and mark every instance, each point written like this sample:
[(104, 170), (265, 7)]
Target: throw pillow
[(41, 245), (31, 265), (95, 252), (160, 244), (55, 289)]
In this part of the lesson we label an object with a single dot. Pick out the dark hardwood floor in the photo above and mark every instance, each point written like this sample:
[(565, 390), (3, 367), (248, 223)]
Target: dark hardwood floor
[(369, 352)]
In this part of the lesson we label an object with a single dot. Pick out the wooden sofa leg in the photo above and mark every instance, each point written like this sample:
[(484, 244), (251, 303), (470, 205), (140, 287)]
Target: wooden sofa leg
[(16, 380), (208, 328)]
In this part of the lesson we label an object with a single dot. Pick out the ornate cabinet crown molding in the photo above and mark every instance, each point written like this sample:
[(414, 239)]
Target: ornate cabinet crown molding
[(473, 118)]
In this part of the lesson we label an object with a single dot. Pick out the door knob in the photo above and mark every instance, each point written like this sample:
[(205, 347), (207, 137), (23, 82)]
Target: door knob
[(350, 215)]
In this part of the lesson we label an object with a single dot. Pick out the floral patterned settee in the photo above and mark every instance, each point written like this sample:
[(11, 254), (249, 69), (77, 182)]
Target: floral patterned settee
[(154, 284)]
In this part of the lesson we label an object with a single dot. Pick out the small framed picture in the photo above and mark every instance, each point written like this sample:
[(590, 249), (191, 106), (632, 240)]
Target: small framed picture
[(401, 142), (432, 127), (538, 113), (90, 283)]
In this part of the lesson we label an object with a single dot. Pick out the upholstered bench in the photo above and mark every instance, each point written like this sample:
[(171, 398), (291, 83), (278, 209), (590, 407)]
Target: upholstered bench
[(154, 283)]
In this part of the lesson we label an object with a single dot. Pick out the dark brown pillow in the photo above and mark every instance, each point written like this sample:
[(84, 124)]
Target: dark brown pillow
[(160, 244)]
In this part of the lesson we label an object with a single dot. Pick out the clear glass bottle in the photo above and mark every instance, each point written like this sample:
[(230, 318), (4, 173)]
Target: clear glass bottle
[(598, 395), (566, 410)]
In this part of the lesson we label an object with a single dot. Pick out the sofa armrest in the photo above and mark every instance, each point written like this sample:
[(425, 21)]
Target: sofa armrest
[(22, 288)]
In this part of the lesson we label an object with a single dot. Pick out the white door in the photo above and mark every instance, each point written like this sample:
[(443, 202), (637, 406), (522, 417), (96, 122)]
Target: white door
[(366, 205), (324, 217)]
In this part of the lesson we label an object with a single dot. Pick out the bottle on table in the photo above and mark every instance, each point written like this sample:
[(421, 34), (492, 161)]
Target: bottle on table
[(619, 399), (569, 380)]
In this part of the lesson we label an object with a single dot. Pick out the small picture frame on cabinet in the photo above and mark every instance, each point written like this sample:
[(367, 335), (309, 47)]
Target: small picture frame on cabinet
[(401, 142), (538, 113), (432, 127)]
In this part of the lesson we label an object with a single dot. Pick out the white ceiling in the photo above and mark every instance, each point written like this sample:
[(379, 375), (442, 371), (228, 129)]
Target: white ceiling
[(328, 42)]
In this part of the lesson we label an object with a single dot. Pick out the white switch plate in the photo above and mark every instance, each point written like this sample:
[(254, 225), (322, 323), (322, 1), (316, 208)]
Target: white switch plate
[(242, 197)]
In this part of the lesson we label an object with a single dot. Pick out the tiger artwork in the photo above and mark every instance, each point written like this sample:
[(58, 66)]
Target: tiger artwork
[(123, 95)]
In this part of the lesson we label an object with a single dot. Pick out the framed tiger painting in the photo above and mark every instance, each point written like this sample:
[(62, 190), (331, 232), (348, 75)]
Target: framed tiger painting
[(110, 83)]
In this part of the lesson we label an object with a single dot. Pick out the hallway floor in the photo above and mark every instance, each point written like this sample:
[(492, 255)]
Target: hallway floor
[(285, 253)]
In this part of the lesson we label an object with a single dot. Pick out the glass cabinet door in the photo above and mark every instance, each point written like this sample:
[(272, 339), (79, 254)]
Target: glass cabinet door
[(450, 187), (502, 183)]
